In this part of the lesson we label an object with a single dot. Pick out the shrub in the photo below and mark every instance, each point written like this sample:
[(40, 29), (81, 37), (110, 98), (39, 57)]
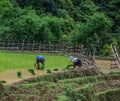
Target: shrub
[(19, 74), (31, 71)]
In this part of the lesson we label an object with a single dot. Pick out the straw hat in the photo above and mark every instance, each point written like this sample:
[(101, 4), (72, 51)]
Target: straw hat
[(71, 57)]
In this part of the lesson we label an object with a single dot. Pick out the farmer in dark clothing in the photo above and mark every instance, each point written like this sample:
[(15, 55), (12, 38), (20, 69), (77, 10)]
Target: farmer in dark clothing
[(40, 59), (76, 61)]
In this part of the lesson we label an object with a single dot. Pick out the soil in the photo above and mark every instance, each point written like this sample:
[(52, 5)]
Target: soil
[(38, 92), (111, 84), (105, 65), (11, 76), (1, 87)]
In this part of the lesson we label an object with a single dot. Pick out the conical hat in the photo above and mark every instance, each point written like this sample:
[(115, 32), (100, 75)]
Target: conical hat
[(71, 57)]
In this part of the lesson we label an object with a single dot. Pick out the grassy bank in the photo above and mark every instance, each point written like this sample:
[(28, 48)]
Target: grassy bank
[(10, 61)]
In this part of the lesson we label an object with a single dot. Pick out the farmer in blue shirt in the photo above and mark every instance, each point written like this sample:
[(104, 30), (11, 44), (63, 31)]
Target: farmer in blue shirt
[(40, 59), (75, 61)]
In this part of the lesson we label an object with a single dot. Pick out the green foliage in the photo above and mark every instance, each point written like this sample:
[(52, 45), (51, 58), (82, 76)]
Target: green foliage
[(75, 22), (114, 42), (113, 94), (115, 73), (3, 89), (25, 60), (83, 9), (4, 32), (68, 67), (6, 8), (41, 67), (72, 94), (106, 50), (26, 25), (3, 81), (19, 74), (55, 69), (31, 71), (89, 34), (49, 71)]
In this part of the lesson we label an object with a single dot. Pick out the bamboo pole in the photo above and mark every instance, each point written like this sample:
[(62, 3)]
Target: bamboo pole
[(115, 54)]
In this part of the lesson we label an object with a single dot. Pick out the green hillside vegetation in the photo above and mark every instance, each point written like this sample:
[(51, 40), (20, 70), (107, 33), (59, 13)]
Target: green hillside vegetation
[(91, 23)]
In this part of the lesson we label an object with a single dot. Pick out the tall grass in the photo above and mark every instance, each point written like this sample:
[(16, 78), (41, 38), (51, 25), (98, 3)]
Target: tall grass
[(10, 60)]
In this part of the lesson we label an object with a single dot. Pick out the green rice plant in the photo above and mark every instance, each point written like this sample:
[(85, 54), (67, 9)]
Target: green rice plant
[(55, 69), (63, 69), (49, 71), (61, 97), (88, 91), (41, 67), (72, 94), (68, 66), (67, 75), (3, 81), (19, 74), (117, 73), (31, 71)]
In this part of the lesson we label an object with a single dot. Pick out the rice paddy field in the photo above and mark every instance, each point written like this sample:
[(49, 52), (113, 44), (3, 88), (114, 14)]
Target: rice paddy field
[(81, 84), (12, 61)]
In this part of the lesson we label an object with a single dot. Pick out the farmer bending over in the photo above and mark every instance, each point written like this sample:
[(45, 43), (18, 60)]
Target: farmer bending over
[(40, 59), (75, 61)]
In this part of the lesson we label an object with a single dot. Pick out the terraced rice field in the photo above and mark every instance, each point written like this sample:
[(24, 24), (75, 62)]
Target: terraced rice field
[(70, 85)]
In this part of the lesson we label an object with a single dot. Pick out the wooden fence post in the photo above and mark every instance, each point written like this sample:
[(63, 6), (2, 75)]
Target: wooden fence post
[(39, 46), (33, 46), (8, 44), (22, 46), (94, 54), (18, 45), (28, 45), (49, 46)]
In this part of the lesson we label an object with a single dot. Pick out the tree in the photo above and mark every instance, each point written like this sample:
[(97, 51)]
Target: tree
[(83, 9), (92, 32), (50, 29), (25, 26), (106, 51), (5, 8), (6, 13)]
